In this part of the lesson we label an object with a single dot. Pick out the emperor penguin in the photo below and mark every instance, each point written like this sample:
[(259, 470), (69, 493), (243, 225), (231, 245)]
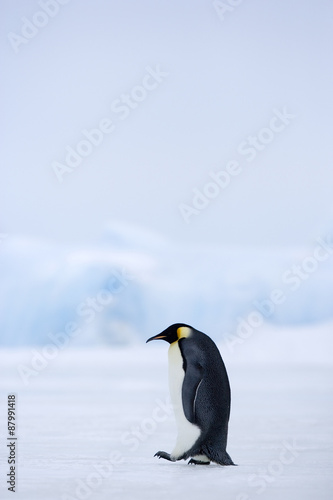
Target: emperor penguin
[(200, 394)]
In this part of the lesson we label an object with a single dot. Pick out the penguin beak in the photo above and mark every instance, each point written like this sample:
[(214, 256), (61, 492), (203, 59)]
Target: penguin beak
[(156, 337)]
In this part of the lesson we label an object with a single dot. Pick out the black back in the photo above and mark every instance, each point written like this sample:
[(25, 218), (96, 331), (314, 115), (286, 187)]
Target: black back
[(206, 389)]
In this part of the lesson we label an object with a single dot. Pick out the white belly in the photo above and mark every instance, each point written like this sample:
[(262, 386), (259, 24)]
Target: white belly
[(187, 433)]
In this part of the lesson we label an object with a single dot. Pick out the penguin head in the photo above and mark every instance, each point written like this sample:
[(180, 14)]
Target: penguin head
[(174, 333)]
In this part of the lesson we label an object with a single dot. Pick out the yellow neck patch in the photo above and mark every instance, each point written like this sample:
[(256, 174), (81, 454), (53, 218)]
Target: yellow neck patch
[(183, 332)]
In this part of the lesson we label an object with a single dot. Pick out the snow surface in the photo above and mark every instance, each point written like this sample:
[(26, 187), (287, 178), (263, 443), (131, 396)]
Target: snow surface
[(95, 412)]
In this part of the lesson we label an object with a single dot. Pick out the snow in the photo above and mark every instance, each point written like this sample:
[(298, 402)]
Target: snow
[(92, 399), (90, 420)]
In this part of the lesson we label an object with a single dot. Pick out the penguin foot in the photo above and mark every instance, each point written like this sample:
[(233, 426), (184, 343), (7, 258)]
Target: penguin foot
[(164, 454), (197, 462)]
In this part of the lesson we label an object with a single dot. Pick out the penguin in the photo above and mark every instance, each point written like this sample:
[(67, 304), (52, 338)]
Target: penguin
[(200, 394)]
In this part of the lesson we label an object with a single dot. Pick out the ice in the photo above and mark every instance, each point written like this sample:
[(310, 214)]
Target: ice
[(90, 420), (133, 283)]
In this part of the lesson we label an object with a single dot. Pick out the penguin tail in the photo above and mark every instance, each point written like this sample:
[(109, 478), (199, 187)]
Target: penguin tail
[(218, 456)]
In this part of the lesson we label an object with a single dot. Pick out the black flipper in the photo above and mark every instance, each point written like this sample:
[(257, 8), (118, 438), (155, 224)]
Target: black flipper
[(191, 383)]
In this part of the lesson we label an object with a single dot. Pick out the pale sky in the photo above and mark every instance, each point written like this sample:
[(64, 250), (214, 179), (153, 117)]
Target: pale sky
[(179, 92)]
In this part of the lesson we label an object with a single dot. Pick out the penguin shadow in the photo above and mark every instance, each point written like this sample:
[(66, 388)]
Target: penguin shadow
[(190, 469)]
